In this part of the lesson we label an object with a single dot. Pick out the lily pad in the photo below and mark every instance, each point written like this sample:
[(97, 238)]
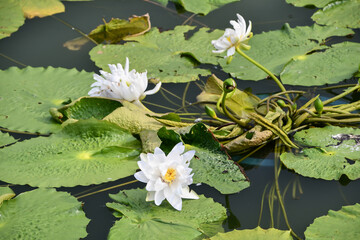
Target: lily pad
[(133, 118), (11, 17), (83, 153), (240, 102), (42, 8), (31, 92), (303, 3), (333, 65), (326, 155), (6, 139), (200, 6), (343, 13), (42, 214), (254, 234), (285, 44), (211, 164), (85, 108), (166, 56), (144, 220), (337, 225)]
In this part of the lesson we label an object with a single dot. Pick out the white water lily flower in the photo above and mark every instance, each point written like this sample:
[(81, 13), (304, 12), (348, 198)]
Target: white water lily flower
[(122, 84), (232, 38), (167, 177)]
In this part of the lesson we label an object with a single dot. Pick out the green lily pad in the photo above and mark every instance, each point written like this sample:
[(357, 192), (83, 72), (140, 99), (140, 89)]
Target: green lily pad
[(11, 17), (43, 8), (31, 92), (42, 214), (327, 158), (199, 6), (333, 65), (83, 153), (5, 194), (211, 164), (254, 234), (6, 139), (144, 220), (343, 13), (86, 108), (285, 44), (303, 3), (337, 225), (162, 54), (240, 102)]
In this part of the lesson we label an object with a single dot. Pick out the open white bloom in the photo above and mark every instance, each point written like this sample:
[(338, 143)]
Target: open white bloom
[(122, 84), (232, 38), (167, 177)]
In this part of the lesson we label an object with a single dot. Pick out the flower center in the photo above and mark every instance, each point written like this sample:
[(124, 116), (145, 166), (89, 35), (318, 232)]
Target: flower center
[(170, 175)]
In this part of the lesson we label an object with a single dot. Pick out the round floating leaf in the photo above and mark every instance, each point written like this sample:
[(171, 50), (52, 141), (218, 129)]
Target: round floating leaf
[(333, 65), (43, 8), (145, 220), (211, 164), (83, 153), (254, 234), (26, 95), (203, 6), (42, 214), (333, 151), (11, 17), (162, 54), (343, 13), (5, 139), (303, 3), (285, 44), (86, 108), (337, 225)]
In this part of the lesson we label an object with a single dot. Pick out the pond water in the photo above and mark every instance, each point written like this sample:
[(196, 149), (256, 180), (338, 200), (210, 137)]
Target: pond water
[(39, 42)]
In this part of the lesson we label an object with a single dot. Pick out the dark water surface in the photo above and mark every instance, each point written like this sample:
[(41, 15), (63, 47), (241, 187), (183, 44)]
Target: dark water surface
[(39, 43)]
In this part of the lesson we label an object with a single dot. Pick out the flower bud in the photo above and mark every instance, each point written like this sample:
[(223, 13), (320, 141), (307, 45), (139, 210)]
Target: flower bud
[(210, 112), (319, 106), (281, 103), (229, 85)]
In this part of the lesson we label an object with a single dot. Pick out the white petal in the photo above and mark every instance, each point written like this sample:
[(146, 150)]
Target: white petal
[(127, 65), (154, 90), (231, 51), (178, 149), (187, 156), (140, 176), (159, 197), (186, 193)]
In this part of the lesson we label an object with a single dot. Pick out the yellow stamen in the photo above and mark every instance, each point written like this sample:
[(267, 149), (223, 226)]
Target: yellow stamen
[(170, 175)]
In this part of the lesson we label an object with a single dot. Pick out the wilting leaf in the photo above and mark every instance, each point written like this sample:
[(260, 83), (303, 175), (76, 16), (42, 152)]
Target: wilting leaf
[(326, 155), (83, 153), (303, 3), (333, 65), (133, 118), (337, 225), (42, 214), (5, 194), (344, 13), (285, 44), (211, 164), (5, 139), (41, 8), (85, 108), (240, 102), (144, 220), (166, 56), (29, 93), (11, 17), (254, 234), (114, 31), (199, 6)]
